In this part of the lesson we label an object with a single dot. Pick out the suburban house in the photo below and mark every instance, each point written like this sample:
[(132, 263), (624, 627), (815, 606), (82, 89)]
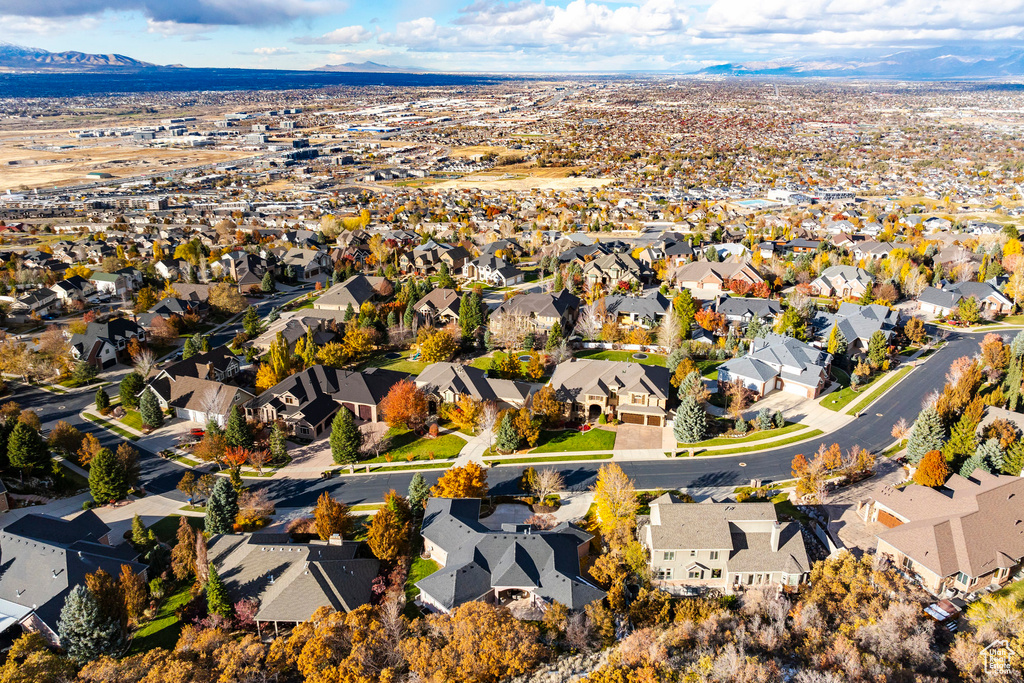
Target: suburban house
[(514, 564), (715, 275), (292, 329), (75, 288), (741, 311), (198, 400), (858, 323), (218, 365), (38, 301), (290, 580), (842, 281), (957, 539), (673, 253), (777, 362), (439, 307), (542, 310), (492, 269), (722, 546), (942, 302), (611, 269), (646, 311), (109, 283), (427, 258), (44, 558), (246, 269), (352, 292), (447, 382), (631, 392), (103, 344), (307, 401), (307, 263), (169, 307), (875, 251)]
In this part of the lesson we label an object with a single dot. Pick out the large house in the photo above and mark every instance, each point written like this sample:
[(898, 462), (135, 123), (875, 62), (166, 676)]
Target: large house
[(777, 362), (515, 562), (646, 311), (541, 310), (194, 388), (103, 344), (492, 269), (957, 539), (44, 558), (289, 580), (307, 263), (842, 281), (611, 269), (942, 302), (722, 546), (307, 401), (858, 323), (439, 307), (632, 392), (447, 382), (352, 292), (741, 310), (714, 275)]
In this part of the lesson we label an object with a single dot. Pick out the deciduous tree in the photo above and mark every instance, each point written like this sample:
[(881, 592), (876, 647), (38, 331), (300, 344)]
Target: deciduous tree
[(469, 481), (932, 470), (615, 501), (331, 517), (404, 405)]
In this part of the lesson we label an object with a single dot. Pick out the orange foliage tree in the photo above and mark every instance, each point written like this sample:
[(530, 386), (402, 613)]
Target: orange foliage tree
[(461, 482), (933, 470), (405, 405)]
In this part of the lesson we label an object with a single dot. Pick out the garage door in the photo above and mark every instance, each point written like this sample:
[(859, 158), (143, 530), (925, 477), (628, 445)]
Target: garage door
[(364, 412), (351, 407), (885, 519), (654, 420), (793, 388), (631, 418)]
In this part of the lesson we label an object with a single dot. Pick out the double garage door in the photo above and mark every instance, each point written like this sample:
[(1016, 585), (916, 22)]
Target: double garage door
[(639, 419)]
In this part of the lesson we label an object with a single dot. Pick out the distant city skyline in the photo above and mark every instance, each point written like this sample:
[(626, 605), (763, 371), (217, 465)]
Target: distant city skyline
[(501, 36)]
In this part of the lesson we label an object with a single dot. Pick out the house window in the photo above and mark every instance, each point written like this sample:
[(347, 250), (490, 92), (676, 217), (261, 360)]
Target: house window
[(693, 553), (695, 574), (716, 573), (664, 573), (963, 579), (714, 554), (636, 399), (670, 555)]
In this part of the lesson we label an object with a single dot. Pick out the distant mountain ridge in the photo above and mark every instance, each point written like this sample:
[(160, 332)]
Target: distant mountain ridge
[(20, 58), (370, 67), (939, 63)]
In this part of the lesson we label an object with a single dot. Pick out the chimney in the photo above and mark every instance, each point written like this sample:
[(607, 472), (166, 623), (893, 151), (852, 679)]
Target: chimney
[(776, 533), (335, 539)]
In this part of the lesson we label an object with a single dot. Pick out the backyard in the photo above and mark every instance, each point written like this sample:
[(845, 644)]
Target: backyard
[(603, 354), (400, 364)]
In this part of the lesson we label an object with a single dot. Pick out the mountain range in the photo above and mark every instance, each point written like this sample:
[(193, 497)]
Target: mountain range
[(19, 58), (924, 64), (371, 67)]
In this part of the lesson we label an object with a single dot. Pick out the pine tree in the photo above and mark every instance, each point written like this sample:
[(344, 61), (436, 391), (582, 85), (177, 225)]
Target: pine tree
[(131, 386), (140, 534), (837, 343), (559, 285), (392, 319), (221, 508), (963, 439), (444, 277), (755, 328), (1013, 463), (267, 284), (554, 337), (107, 479), (878, 348), (346, 438), (349, 312), (991, 455), (102, 400), (278, 445), (507, 439), (927, 434), (217, 601), (970, 464), (149, 408), (418, 492), (469, 315), (183, 555), (237, 434), (251, 322), (26, 450), (190, 349), (691, 421), (1015, 371), (85, 633), (409, 315)]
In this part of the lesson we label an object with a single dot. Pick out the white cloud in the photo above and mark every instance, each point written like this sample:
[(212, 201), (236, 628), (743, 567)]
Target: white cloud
[(42, 26), (267, 51), (347, 35)]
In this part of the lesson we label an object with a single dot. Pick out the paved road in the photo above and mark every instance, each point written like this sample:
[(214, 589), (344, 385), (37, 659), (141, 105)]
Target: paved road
[(871, 431)]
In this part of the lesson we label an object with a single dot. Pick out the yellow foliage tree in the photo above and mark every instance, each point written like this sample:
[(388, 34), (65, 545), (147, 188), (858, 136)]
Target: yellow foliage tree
[(462, 482), (439, 347), (265, 377), (332, 354), (615, 499)]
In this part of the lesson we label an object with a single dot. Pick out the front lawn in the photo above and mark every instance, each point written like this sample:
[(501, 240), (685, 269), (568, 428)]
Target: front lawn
[(166, 529), (838, 400), (401, 364), (133, 419), (756, 436), (405, 443), (163, 630), (560, 442), (603, 354)]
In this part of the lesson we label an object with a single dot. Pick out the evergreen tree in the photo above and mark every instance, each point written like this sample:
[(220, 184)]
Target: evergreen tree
[(991, 455), (444, 277), (927, 434), (691, 421), (963, 439), (837, 343), (202, 342), (686, 309), (1013, 463), (107, 478), (488, 341), (409, 315), (85, 633), (140, 534), (217, 601), (507, 439), (190, 349), (221, 508), (349, 312), (780, 420), (878, 348), (755, 328), (554, 337), (346, 438), (149, 407), (251, 322), (970, 464), (675, 358), (764, 418), (469, 315), (131, 386), (418, 492), (26, 450), (102, 400), (267, 284), (1015, 371), (392, 319), (278, 447), (237, 434), (558, 284)]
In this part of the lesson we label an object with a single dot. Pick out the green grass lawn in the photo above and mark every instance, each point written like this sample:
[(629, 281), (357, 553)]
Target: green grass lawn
[(133, 419), (870, 398), (1013, 320), (550, 458), (166, 529), (111, 426), (909, 351), (602, 354), (402, 364), (756, 436), (838, 400), (405, 443), (419, 570), (783, 506), (164, 629), (709, 368), (1015, 589), (766, 446), (560, 442)]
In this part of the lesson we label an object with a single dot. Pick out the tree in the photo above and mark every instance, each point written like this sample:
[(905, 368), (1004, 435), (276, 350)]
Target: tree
[(267, 284), (554, 336), (404, 405), (878, 348), (133, 589), (548, 481), (615, 501), (968, 310), (145, 300), (963, 438), (183, 555), (107, 481), (546, 405), (85, 633), (26, 450), (346, 439), (65, 439), (212, 447), (251, 322), (932, 470), (191, 348), (331, 517), (221, 508), (102, 400), (439, 347), (226, 300), (691, 421), (87, 451), (128, 460), (837, 343), (418, 492), (927, 434), (151, 413), (791, 324), (217, 601), (144, 361), (914, 330), (278, 443), (464, 413), (131, 386), (507, 438), (237, 434), (388, 535), (462, 482), (444, 277)]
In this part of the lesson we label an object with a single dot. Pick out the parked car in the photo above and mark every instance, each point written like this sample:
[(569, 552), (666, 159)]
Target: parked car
[(196, 431)]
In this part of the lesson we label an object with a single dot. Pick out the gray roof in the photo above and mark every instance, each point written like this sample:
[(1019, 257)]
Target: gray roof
[(479, 559), (577, 377), (861, 322), (652, 305), (354, 291), (788, 357), (548, 305), (320, 389), (469, 381), (735, 306)]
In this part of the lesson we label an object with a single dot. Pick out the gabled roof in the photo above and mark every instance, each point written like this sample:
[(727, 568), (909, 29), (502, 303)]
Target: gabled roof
[(578, 377), (469, 381), (652, 305), (742, 307), (540, 304), (319, 389)]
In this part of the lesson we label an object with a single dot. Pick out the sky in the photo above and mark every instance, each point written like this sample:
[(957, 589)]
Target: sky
[(502, 35)]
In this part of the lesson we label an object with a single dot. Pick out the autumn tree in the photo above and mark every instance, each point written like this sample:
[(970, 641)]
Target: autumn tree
[(183, 555), (548, 481), (404, 405), (469, 481), (439, 347), (932, 470), (331, 517), (226, 300), (388, 535), (65, 439), (88, 449), (615, 501)]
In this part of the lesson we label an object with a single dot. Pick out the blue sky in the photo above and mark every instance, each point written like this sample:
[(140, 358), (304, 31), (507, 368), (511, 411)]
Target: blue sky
[(500, 35)]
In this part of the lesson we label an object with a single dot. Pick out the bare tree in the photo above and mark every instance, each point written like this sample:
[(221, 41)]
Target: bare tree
[(488, 419), (376, 442), (561, 353), (209, 403), (510, 328), (145, 362), (901, 429), (258, 458), (668, 333), (589, 323), (548, 481)]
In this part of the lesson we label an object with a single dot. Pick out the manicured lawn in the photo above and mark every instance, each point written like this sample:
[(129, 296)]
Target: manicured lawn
[(909, 351), (560, 442), (709, 368), (405, 443), (765, 446), (551, 458), (166, 529), (838, 400), (133, 419), (783, 506), (164, 629), (402, 364), (756, 436), (602, 354), (867, 400), (1013, 320), (411, 468), (419, 570), (110, 426)]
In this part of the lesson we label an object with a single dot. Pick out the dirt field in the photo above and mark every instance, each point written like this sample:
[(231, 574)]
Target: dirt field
[(520, 181), (467, 152)]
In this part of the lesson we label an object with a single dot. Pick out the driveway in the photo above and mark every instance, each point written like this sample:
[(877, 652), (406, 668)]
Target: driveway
[(507, 513), (844, 523), (637, 437)]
